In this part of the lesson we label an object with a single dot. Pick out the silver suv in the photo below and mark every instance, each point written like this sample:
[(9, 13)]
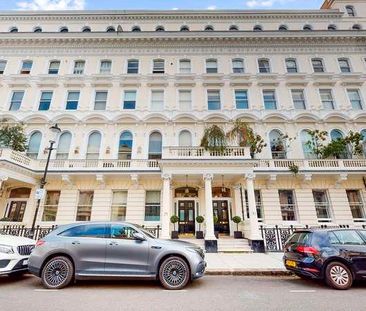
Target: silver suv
[(113, 250)]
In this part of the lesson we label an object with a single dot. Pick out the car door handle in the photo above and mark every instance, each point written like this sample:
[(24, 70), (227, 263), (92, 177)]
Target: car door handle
[(113, 243), (75, 243)]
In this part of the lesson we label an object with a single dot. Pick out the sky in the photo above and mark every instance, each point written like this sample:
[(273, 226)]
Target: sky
[(156, 4)]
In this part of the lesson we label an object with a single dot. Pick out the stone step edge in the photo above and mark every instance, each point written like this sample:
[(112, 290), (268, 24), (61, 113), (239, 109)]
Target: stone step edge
[(249, 272)]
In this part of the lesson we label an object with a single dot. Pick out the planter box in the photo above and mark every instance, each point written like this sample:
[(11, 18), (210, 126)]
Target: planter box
[(199, 235), (174, 235), (238, 235)]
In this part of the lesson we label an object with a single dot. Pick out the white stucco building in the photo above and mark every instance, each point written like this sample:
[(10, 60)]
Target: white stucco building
[(133, 92)]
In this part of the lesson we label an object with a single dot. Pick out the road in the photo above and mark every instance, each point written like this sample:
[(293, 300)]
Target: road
[(209, 293)]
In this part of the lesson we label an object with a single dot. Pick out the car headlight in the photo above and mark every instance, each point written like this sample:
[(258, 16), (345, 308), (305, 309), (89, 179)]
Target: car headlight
[(196, 250), (7, 249)]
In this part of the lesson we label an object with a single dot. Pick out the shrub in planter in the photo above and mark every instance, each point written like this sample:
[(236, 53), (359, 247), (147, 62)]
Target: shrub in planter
[(199, 233), (237, 234), (216, 220), (174, 219)]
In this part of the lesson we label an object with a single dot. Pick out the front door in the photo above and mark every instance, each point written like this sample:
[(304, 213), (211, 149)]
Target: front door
[(16, 210), (186, 217), (221, 211)]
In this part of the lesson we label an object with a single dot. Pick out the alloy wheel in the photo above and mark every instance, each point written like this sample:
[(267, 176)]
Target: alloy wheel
[(339, 275), (56, 272), (174, 273)]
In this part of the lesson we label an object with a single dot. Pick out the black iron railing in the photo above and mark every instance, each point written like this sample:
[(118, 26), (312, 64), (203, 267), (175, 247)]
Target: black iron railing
[(38, 233), (155, 231)]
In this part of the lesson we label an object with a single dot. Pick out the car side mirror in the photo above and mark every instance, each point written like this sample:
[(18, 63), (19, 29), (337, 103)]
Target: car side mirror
[(139, 236)]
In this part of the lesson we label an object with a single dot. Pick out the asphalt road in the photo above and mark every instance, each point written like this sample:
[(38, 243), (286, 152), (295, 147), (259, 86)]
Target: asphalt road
[(209, 293)]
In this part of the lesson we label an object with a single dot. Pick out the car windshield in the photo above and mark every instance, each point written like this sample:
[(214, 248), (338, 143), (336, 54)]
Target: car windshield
[(149, 234)]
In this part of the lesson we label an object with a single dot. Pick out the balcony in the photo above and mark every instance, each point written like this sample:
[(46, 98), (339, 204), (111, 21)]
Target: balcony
[(201, 153)]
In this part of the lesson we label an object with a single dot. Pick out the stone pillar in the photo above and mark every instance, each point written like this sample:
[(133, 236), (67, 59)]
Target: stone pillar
[(210, 239), (255, 236), (166, 207)]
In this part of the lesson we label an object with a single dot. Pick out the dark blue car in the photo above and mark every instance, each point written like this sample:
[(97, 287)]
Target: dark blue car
[(337, 256)]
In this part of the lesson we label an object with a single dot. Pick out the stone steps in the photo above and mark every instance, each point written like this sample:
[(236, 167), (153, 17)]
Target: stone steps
[(226, 245)]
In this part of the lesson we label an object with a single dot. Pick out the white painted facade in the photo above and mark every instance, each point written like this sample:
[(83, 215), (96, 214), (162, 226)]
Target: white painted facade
[(180, 166)]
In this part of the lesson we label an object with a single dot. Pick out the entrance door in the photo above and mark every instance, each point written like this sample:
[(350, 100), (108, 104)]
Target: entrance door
[(186, 217), (16, 210), (221, 211)]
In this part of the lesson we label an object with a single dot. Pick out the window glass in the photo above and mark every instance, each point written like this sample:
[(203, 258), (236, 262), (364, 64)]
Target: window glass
[(100, 102), (185, 138), (34, 145), (214, 100), (356, 204), (269, 98), (129, 101), (105, 67), (133, 66), (119, 205), (84, 207), (155, 145), (125, 146), (241, 99), (45, 102), (355, 99), (327, 99), (348, 237), (152, 206), (79, 67), (185, 66), (2, 66), (263, 65), (93, 145), (288, 205), (86, 231), (63, 148), (72, 100), (300, 238), (185, 100), (344, 65), (159, 65), (291, 65), (16, 100), (26, 67), (238, 65), (211, 66), (54, 67), (363, 233), (50, 206), (122, 232), (298, 99), (322, 205), (318, 65), (157, 100)]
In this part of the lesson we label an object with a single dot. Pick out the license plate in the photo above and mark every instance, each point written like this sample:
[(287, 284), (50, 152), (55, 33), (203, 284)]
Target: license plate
[(25, 262), (291, 263)]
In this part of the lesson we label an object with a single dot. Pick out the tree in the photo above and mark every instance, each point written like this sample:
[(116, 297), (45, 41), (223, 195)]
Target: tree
[(316, 142), (12, 136), (214, 139)]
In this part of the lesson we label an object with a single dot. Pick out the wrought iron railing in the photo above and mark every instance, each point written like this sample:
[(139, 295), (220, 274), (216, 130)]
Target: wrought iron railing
[(38, 233), (155, 231)]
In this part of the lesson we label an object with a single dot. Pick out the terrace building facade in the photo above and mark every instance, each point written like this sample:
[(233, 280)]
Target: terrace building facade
[(134, 91)]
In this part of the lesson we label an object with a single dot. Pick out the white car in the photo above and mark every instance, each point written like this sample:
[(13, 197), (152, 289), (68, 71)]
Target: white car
[(14, 254)]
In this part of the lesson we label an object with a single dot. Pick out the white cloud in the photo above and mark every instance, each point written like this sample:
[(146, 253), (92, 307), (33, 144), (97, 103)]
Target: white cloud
[(212, 7), (51, 5), (265, 3)]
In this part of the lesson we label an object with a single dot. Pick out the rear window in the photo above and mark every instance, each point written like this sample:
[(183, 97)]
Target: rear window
[(348, 237), (299, 238)]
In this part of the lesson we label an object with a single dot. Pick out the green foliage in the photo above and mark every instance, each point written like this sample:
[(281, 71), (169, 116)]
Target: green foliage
[(215, 219), (293, 168), (316, 142), (214, 139), (236, 219), (335, 149), (12, 136), (282, 143), (200, 220), (174, 219)]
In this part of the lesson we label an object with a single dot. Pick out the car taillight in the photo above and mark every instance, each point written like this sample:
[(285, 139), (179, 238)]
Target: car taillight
[(309, 250), (40, 243)]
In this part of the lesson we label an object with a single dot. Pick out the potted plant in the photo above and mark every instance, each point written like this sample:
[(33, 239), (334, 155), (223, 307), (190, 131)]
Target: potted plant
[(199, 233), (237, 234), (216, 220), (214, 139), (174, 219)]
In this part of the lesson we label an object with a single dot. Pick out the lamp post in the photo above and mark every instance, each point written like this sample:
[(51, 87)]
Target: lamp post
[(55, 131)]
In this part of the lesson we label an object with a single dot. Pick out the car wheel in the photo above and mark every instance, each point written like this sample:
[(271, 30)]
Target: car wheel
[(57, 273), (338, 276), (174, 273)]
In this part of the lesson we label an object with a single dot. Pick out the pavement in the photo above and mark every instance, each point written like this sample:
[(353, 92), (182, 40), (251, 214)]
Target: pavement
[(245, 264), (244, 293)]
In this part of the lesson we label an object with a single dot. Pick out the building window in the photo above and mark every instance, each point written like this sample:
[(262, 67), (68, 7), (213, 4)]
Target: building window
[(185, 66), (136, 29), (16, 100), (185, 100), (344, 65), (79, 66), (241, 99), (356, 27), (100, 101), (13, 29), (238, 65), (234, 28), (291, 65), (209, 28), (318, 65), (72, 100), (63, 147), (326, 97), (132, 66), (263, 65), (105, 67), (356, 205), (2, 66), (283, 28), (185, 138), (355, 99), (322, 205), (129, 100), (26, 67), (350, 11), (269, 99), (93, 148), (306, 148), (54, 67), (45, 101), (288, 205), (34, 144), (298, 99), (85, 204), (155, 145), (332, 27), (64, 29), (157, 100), (16, 208), (125, 146), (159, 28), (158, 66), (50, 206), (213, 100), (258, 203), (278, 144), (152, 206), (119, 206), (211, 66), (111, 29), (257, 28), (307, 28), (86, 29)]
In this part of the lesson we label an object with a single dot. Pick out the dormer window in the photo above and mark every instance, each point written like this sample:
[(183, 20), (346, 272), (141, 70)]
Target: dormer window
[(86, 29), (160, 28), (136, 29), (37, 29), (332, 27), (257, 28), (233, 28), (13, 29), (283, 28), (350, 11), (184, 28), (209, 28), (64, 29), (111, 29), (307, 28)]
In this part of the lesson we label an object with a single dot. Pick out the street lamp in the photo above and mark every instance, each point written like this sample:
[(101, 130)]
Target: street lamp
[(55, 131)]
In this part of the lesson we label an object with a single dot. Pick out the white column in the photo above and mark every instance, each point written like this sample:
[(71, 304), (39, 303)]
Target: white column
[(3, 179), (166, 207), (253, 218), (210, 230)]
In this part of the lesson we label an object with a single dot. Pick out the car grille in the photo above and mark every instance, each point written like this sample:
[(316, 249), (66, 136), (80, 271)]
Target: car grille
[(25, 250)]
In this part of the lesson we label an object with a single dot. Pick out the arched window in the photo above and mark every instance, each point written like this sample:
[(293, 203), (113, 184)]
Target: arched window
[(125, 146), (350, 11), (184, 28), (86, 29), (13, 29), (356, 27), (233, 28), (185, 138), (307, 28), (155, 145), (282, 28), (64, 29), (63, 148), (136, 29), (336, 134), (34, 144), (209, 28), (93, 149), (305, 138), (277, 144), (257, 28), (238, 65), (111, 29), (332, 27), (159, 28), (263, 65), (291, 65), (345, 154), (37, 29)]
